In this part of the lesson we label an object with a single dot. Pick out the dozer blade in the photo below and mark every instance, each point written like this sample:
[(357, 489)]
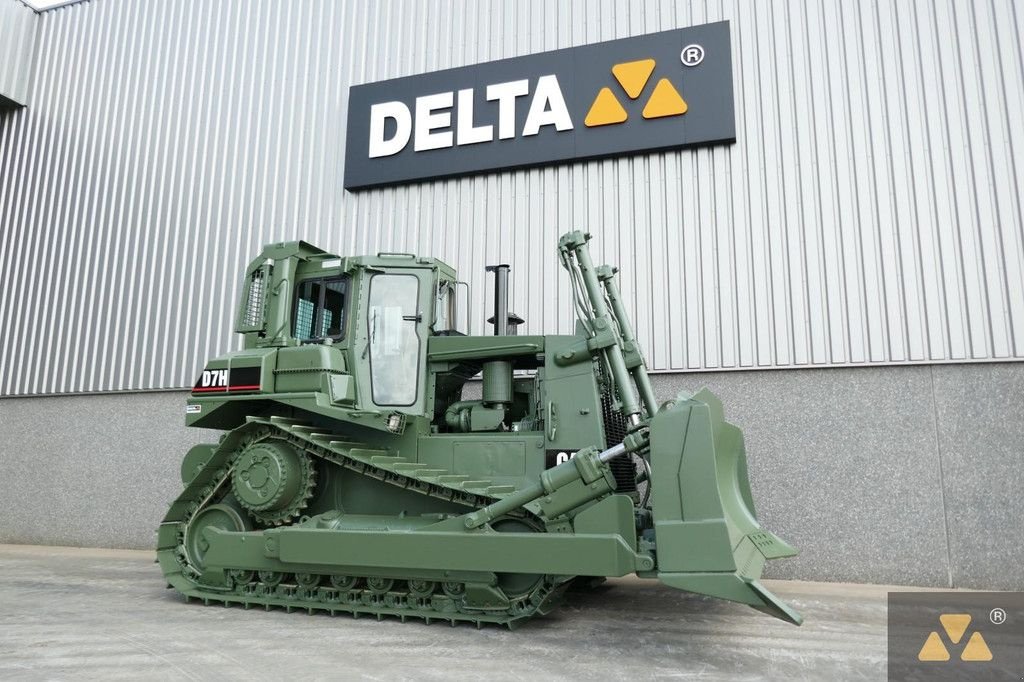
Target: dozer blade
[(707, 534)]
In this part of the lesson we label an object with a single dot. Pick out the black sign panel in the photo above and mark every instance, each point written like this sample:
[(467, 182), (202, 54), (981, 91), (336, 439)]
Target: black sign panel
[(656, 91), (937, 636)]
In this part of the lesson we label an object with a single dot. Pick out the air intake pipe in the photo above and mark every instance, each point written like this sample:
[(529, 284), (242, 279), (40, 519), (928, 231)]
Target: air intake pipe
[(489, 413), (497, 374)]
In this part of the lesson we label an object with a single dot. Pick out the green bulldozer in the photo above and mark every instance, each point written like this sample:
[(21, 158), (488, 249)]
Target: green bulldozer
[(361, 471)]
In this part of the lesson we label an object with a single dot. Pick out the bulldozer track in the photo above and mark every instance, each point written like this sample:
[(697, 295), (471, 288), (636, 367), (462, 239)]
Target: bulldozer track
[(357, 595)]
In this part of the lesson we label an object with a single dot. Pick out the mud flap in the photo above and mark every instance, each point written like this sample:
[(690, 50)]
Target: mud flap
[(707, 534)]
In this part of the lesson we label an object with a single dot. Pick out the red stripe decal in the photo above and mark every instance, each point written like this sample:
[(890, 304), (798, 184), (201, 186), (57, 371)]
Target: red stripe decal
[(208, 389)]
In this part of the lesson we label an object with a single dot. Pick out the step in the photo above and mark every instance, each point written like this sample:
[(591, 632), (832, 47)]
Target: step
[(430, 473), (287, 421), (380, 459), (476, 484), (452, 479), (500, 489), (343, 445), (370, 453), (409, 466)]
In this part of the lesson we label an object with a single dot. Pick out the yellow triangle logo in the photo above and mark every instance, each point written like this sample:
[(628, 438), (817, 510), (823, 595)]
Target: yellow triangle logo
[(976, 649), (605, 110), (632, 76), (955, 625), (933, 649), (664, 101)]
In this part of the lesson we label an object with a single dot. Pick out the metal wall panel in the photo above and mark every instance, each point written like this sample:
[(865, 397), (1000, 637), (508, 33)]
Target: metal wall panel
[(870, 211), (17, 40)]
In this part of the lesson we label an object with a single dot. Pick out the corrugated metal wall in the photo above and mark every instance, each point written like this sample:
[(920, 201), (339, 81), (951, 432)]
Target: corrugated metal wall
[(870, 211), (17, 32)]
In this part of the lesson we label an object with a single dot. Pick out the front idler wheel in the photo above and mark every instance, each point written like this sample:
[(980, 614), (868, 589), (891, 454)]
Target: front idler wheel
[(516, 585)]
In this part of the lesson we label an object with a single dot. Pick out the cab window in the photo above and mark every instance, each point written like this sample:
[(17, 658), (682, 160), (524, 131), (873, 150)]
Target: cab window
[(320, 309), (394, 341)]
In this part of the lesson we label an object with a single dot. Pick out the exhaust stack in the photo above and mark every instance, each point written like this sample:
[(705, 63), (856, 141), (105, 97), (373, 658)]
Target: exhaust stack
[(500, 318)]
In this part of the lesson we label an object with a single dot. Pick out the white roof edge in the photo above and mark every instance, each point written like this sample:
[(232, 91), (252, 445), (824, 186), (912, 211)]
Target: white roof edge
[(40, 6)]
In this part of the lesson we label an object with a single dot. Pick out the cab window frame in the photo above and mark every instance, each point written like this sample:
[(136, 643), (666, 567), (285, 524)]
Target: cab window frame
[(318, 307), (382, 389)]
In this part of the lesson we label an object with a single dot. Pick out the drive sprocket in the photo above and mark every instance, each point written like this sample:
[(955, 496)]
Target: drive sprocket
[(273, 480)]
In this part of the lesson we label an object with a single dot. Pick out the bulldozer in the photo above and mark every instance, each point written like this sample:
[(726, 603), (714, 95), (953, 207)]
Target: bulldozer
[(378, 459)]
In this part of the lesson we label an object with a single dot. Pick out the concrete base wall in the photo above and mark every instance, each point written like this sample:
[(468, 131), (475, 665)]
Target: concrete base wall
[(905, 475)]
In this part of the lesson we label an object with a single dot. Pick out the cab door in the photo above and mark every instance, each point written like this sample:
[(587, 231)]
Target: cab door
[(396, 328)]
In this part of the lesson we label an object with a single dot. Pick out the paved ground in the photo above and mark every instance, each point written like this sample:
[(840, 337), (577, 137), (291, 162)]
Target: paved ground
[(105, 614)]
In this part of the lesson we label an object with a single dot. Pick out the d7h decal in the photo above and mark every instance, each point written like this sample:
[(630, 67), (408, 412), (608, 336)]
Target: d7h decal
[(224, 380)]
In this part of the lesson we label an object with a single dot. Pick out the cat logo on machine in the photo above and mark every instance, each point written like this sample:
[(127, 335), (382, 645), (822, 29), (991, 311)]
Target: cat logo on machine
[(553, 458), (225, 380)]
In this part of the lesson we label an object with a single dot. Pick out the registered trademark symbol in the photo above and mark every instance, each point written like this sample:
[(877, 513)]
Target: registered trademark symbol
[(692, 55), (997, 616)]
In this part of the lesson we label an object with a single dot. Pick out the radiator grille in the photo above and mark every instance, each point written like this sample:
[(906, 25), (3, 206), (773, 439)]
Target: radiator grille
[(615, 429)]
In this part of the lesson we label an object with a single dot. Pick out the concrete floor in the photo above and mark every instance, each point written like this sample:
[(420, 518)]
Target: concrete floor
[(105, 614)]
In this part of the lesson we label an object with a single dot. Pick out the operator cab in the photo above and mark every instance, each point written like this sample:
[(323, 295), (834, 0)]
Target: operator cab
[(373, 316), (377, 312)]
